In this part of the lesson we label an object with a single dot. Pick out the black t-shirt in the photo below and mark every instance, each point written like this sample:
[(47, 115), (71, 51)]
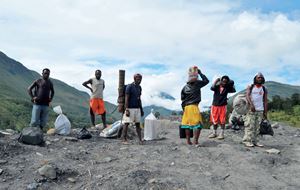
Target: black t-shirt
[(43, 90), (134, 91)]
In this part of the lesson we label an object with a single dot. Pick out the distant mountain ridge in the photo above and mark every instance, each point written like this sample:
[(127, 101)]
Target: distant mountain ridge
[(14, 81), (166, 96), (15, 105), (274, 89)]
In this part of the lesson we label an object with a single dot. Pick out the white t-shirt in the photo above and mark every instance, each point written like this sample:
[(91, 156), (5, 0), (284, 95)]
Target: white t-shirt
[(257, 97), (97, 86)]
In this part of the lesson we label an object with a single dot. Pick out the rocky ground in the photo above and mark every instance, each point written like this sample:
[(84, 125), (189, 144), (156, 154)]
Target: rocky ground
[(167, 163)]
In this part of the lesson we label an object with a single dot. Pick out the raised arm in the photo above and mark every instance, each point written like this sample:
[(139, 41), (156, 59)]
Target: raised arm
[(204, 80), (213, 87), (85, 84)]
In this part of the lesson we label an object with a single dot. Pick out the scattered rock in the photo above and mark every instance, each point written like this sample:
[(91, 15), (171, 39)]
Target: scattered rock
[(32, 186), (273, 151), (72, 139), (3, 133), (47, 171), (124, 148), (55, 140), (10, 131), (41, 180), (275, 125), (99, 176), (207, 173), (152, 180), (3, 161), (1, 171), (48, 143), (175, 148), (107, 159), (72, 180), (172, 163), (39, 154)]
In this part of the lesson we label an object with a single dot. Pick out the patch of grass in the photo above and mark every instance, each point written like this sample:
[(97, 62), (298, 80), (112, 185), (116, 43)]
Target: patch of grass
[(292, 117)]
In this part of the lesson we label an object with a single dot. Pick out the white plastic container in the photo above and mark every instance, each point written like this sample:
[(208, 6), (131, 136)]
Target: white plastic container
[(151, 127)]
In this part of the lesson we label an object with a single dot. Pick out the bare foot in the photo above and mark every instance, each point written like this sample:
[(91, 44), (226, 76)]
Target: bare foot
[(189, 142), (141, 142), (125, 142)]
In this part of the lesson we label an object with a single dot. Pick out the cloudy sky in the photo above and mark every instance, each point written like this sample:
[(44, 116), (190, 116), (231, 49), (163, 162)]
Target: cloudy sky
[(160, 39)]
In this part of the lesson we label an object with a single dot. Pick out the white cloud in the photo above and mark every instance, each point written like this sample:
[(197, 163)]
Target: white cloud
[(70, 36)]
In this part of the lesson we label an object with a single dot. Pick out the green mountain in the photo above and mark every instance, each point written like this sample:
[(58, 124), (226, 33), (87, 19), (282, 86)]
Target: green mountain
[(15, 105), (162, 111)]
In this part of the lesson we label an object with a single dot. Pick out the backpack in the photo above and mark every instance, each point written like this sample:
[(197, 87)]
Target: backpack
[(84, 134), (182, 134), (266, 128), (32, 136)]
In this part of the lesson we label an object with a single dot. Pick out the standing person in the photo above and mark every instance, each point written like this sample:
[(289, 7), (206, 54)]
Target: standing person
[(133, 107), (41, 98), (97, 106), (221, 88), (257, 96), (191, 97)]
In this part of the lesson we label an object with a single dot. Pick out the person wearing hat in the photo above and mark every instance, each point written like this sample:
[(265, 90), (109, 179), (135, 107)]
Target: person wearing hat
[(133, 108), (191, 97), (257, 97)]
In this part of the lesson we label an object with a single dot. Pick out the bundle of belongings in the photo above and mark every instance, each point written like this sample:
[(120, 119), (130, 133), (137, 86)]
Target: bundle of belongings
[(31, 136), (238, 116), (62, 123), (112, 131)]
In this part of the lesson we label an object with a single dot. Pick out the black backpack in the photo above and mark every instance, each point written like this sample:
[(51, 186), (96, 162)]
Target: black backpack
[(266, 128), (182, 134), (84, 134), (32, 136)]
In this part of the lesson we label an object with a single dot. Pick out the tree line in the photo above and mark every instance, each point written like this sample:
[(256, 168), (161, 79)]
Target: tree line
[(284, 104)]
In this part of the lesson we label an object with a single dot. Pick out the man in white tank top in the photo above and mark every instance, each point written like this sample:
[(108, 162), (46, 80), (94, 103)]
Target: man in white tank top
[(96, 87), (257, 99)]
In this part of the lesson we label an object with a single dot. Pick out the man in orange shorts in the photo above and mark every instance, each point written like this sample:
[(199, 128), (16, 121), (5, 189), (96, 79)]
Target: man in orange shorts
[(221, 88), (97, 86)]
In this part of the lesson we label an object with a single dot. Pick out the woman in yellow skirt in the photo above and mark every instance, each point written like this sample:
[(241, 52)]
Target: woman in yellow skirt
[(191, 97)]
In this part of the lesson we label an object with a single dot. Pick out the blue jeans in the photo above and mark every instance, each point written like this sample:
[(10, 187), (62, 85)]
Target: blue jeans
[(39, 116)]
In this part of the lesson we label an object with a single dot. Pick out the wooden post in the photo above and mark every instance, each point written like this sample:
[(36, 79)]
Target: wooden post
[(121, 90)]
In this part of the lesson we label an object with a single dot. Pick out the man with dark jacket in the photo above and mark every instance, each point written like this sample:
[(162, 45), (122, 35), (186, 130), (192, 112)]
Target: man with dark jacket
[(221, 88), (41, 98), (191, 97)]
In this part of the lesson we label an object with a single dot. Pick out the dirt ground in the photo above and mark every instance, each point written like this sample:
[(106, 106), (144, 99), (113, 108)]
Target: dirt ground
[(167, 163)]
